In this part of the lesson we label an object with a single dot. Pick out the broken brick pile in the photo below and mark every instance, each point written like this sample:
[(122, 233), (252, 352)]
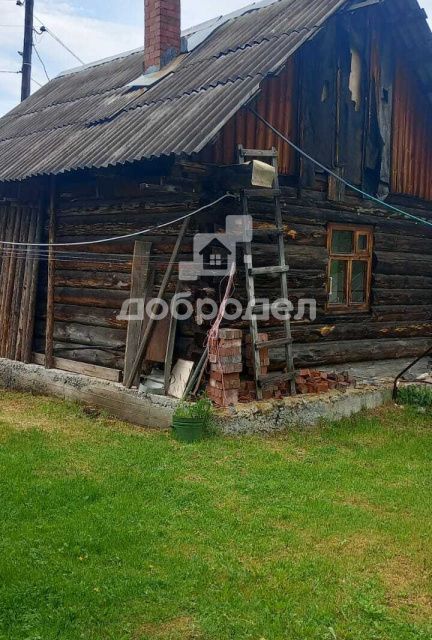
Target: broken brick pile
[(225, 387), (312, 381), (226, 364)]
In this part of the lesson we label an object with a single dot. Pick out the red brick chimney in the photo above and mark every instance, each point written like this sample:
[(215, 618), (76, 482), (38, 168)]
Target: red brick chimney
[(162, 33)]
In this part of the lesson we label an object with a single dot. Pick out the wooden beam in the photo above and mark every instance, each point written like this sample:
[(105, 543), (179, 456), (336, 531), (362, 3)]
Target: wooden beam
[(139, 286), (82, 368), (170, 348), (151, 323), (49, 334)]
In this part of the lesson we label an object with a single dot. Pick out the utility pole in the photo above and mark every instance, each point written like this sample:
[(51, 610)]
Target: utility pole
[(27, 50)]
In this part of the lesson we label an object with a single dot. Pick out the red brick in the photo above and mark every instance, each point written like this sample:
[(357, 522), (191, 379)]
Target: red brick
[(223, 399), (230, 334), (219, 376), (229, 343), (226, 351), (237, 359), (226, 368), (227, 383), (322, 387)]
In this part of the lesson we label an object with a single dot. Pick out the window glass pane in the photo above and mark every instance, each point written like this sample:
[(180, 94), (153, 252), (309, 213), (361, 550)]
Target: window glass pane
[(362, 242), (359, 273), (338, 275), (343, 242)]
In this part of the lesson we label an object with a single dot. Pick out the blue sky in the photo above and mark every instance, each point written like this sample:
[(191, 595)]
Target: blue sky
[(94, 29)]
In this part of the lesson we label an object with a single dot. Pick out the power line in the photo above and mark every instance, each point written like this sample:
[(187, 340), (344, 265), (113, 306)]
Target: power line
[(7, 71), (44, 28), (348, 184), (41, 61), (116, 238)]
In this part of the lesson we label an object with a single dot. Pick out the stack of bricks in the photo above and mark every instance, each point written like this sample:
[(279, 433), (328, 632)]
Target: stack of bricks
[(226, 364), (264, 355), (312, 381)]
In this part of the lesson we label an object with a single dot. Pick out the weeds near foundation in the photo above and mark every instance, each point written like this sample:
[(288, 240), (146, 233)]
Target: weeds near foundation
[(416, 396)]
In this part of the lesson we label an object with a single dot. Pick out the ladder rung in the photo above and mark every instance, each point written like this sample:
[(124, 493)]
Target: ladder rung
[(273, 378), (258, 153), (261, 193), (272, 344), (262, 271)]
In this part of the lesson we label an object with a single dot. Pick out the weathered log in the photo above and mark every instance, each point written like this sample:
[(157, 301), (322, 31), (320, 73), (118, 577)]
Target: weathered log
[(102, 298), (101, 357), (403, 296), (396, 313), (401, 264), (365, 330), (87, 335), (355, 351), (93, 280), (401, 243), (408, 281), (89, 316)]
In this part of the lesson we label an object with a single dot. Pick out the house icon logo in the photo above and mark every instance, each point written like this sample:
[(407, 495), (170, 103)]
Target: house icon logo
[(214, 253)]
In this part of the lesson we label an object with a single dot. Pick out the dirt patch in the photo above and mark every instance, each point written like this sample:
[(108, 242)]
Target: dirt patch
[(408, 587), (182, 628)]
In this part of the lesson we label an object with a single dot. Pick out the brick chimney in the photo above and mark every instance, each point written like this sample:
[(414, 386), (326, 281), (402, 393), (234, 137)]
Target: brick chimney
[(162, 33)]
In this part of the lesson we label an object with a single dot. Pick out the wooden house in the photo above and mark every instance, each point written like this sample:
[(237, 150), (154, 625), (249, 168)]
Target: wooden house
[(141, 139)]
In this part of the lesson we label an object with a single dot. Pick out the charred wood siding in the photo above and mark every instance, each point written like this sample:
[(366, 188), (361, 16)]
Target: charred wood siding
[(277, 103), (412, 136)]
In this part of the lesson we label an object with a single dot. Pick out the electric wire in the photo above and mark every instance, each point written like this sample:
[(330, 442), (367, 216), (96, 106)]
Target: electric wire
[(348, 184), (127, 236), (41, 61), (57, 39)]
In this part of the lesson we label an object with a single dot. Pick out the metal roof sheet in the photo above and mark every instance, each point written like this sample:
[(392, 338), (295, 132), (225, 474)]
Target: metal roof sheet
[(92, 118)]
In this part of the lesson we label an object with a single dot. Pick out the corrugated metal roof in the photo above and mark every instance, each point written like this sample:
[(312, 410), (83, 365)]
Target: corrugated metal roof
[(90, 117)]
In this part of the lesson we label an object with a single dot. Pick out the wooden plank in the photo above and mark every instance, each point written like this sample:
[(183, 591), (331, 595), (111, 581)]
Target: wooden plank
[(289, 357), (17, 307), (49, 336), (9, 284), (27, 319), (170, 348), (139, 287), (151, 323), (82, 368)]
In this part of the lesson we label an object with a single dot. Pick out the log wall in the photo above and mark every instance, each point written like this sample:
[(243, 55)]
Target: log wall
[(91, 283)]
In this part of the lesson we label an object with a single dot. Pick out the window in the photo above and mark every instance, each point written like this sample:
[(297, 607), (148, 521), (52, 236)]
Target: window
[(350, 268)]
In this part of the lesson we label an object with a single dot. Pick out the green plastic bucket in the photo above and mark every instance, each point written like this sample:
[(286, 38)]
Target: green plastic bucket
[(188, 429)]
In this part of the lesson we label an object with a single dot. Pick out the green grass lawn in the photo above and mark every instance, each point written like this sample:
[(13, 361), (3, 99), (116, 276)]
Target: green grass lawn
[(111, 532)]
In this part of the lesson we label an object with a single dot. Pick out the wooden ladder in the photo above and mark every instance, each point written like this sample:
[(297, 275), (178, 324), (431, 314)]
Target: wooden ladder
[(265, 381)]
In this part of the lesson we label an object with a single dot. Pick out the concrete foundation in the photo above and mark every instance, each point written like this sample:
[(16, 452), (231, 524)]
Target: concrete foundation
[(156, 411), (126, 404), (301, 411)]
